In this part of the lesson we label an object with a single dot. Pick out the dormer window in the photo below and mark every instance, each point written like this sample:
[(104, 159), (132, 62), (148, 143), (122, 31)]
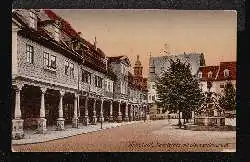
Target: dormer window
[(56, 33), (210, 74), (200, 75), (32, 22), (226, 73)]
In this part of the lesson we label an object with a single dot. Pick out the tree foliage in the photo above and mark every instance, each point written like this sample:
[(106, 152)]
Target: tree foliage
[(178, 89), (228, 99)]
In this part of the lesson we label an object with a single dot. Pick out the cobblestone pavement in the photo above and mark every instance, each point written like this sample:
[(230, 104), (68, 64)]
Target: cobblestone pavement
[(32, 137), (156, 136)]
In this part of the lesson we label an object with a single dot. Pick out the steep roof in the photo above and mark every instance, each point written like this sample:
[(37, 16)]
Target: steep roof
[(69, 30), (44, 37), (231, 66), (218, 71), (65, 26), (119, 59), (206, 69)]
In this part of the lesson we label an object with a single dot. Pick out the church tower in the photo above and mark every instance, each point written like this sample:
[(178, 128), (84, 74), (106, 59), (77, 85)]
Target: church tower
[(138, 68)]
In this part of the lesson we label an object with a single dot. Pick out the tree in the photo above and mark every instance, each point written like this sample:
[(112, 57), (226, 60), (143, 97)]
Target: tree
[(228, 98), (178, 90)]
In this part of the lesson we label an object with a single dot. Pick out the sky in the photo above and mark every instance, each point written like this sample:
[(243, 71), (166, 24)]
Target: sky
[(141, 32)]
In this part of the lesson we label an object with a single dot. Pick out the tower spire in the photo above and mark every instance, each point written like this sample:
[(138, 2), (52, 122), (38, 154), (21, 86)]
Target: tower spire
[(95, 42)]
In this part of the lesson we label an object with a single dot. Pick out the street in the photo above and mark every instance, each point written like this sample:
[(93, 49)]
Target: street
[(151, 136)]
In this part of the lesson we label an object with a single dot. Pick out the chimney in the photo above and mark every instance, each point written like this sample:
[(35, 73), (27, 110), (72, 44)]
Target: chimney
[(57, 30), (95, 42)]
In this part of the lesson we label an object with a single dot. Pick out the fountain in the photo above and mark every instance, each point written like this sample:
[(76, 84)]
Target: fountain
[(210, 113), (210, 116)]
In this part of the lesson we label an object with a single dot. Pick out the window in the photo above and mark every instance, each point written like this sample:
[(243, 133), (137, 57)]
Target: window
[(29, 53), (109, 86), (32, 20), (56, 33), (226, 73), (200, 75), (71, 70), (98, 81), (66, 68), (153, 98), (53, 61), (86, 76), (210, 74), (46, 59), (222, 85)]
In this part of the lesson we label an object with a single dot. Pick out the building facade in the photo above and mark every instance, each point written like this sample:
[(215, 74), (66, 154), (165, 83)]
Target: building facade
[(60, 78), (218, 76), (138, 90), (157, 66)]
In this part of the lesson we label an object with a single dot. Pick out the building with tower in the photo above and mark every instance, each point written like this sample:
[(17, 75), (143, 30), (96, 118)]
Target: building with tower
[(138, 89)]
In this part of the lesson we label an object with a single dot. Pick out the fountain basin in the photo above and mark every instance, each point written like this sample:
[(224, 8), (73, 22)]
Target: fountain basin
[(210, 121)]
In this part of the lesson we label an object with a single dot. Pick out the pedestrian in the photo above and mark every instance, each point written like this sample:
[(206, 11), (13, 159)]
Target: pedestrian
[(168, 118)]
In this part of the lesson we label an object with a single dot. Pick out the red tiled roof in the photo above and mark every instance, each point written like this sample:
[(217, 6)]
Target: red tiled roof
[(65, 26), (206, 69), (231, 66), (68, 29), (218, 71)]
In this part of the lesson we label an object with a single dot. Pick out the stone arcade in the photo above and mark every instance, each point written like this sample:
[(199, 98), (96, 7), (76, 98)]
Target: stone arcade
[(60, 79)]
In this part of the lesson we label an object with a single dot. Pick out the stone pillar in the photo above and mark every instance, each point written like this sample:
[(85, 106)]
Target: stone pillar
[(126, 112), (60, 120), (131, 113), (111, 111), (146, 111), (75, 117), (94, 112), (86, 115), (101, 119), (42, 121), (134, 112), (17, 122), (119, 118)]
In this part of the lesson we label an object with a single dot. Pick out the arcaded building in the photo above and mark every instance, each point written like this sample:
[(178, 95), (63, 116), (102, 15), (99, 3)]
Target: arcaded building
[(59, 78)]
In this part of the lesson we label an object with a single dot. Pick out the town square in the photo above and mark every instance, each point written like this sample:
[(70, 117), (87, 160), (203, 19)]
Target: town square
[(123, 81)]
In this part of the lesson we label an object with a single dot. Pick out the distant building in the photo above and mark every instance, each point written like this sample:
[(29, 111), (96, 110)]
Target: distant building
[(218, 75), (138, 89), (157, 66)]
